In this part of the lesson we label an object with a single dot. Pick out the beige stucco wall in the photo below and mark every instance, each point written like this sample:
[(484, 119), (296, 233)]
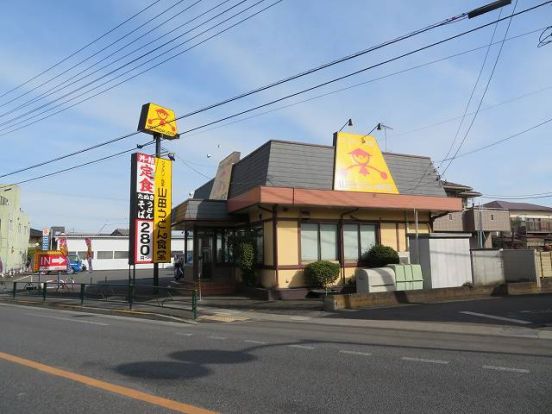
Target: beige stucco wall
[(289, 236), (288, 243)]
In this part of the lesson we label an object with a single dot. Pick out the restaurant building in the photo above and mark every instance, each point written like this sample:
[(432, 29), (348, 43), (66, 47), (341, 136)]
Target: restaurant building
[(310, 202)]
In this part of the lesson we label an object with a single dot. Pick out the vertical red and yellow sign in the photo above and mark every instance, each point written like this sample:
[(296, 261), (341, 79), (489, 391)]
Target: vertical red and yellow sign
[(162, 211), (360, 166), (150, 210)]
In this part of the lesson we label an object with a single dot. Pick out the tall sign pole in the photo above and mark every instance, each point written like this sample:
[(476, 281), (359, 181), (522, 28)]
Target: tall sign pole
[(157, 137), (151, 193)]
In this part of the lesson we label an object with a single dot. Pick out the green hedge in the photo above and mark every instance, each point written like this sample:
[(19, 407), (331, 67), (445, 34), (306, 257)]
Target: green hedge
[(380, 256), (322, 273)]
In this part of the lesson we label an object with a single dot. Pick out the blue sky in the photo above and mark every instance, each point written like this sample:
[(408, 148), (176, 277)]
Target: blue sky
[(288, 38)]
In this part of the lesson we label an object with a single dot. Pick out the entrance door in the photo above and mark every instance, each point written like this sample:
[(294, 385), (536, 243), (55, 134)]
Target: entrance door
[(206, 254)]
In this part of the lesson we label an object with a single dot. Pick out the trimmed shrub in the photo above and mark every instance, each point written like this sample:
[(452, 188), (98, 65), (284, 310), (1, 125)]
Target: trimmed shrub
[(380, 256), (322, 273)]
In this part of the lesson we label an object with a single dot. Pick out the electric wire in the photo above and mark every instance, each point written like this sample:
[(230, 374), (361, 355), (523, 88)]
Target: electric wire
[(67, 82), (117, 154), (349, 57), (500, 141), (78, 152), (16, 120), (339, 90), (545, 37), (425, 47), (278, 82), (484, 92), (55, 88), (135, 133), (79, 50), (467, 107)]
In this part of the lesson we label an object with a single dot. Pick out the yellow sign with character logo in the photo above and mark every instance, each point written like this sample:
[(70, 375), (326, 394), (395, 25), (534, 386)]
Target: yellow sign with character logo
[(158, 120), (162, 211), (360, 166)]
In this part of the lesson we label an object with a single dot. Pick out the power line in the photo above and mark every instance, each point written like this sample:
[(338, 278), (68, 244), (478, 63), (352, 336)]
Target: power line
[(13, 121), (341, 77), (484, 92), (339, 90), (447, 21), (473, 90), (80, 50), (60, 86), (519, 197), (62, 157), (135, 133), (349, 57), (83, 164), (498, 142)]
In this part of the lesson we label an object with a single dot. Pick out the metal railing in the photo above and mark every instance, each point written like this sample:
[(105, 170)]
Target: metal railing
[(130, 294)]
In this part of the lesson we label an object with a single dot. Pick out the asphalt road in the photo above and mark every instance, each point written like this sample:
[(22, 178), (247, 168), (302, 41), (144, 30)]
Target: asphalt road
[(140, 366), (526, 310)]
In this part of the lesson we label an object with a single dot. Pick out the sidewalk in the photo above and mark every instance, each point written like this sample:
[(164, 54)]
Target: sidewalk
[(239, 309)]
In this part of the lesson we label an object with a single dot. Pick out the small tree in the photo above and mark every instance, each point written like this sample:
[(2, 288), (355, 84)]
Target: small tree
[(380, 255), (322, 273)]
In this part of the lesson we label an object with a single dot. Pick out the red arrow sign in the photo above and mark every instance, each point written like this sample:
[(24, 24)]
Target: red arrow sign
[(50, 261)]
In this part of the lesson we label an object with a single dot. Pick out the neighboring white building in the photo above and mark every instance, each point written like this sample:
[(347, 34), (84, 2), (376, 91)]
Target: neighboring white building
[(111, 250)]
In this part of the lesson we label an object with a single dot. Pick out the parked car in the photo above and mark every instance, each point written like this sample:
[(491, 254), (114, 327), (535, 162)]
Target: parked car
[(75, 264)]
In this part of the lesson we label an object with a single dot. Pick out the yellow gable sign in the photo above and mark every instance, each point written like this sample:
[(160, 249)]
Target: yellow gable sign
[(360, 166), (155, 119)]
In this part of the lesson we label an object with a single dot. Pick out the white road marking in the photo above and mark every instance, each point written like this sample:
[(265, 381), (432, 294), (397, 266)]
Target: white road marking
[(183, 334), (252, 341), (520, 370), (220, 338), (431, 361), (300, 318), (344, 351), (498, 318), (302, 347), (34, 315)]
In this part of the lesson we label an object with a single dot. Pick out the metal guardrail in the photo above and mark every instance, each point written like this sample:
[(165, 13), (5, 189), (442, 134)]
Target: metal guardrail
[(144, 295)]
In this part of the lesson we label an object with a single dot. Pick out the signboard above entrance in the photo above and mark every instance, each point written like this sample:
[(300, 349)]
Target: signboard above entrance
[(157, 120), (360, 166)]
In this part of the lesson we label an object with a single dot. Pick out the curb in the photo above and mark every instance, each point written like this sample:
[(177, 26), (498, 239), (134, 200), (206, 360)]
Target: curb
[(229, 315), (117, 312)]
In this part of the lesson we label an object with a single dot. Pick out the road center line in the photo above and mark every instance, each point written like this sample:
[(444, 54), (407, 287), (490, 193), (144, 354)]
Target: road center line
[(106, 386), (183, 334), (345, 351), (498, 318), (252, 341), (220, 338), (59, 318), (431, 361), (523, 371), (301, 346)]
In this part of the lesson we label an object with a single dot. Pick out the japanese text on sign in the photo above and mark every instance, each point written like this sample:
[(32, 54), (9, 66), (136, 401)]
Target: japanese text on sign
[(162, 213)]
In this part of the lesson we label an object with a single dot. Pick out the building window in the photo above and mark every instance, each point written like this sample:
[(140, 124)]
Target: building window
[(357, 239), (318, 242), (223, 247), (121, 254), (450, 216), (260, 245), (105, 255), (492, 217), (82, 255)]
